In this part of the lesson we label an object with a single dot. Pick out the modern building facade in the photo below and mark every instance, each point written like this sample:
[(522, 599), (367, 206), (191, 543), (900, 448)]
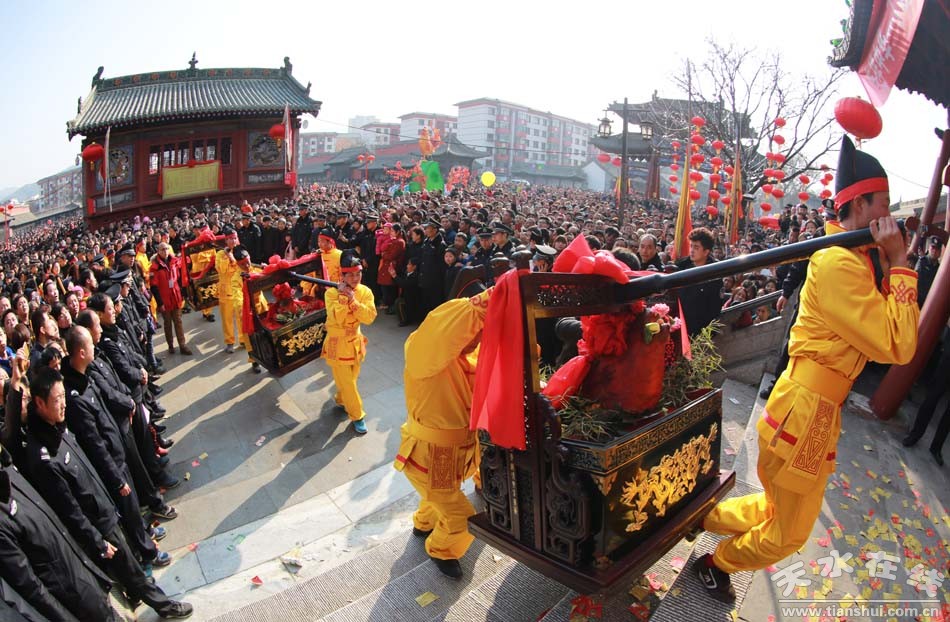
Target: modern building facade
[(518, 137), (60, 190), (411, 124)]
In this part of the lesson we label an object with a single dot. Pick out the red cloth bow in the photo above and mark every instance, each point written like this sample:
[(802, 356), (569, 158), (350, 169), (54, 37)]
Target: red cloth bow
[(578, 258)]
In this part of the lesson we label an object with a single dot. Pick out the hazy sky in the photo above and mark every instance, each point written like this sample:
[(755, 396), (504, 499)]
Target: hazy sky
[(391, 58)]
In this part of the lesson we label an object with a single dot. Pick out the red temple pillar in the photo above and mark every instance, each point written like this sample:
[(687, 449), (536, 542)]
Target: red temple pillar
[(933, 317)]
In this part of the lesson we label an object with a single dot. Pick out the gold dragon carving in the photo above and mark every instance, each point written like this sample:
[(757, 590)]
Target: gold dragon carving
[(301, 340), (669, 481)]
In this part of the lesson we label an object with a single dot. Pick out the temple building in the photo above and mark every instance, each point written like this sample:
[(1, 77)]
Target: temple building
[(181, 137)]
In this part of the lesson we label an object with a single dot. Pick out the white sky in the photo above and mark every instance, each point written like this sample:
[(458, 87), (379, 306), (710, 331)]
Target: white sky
[(391, 58)]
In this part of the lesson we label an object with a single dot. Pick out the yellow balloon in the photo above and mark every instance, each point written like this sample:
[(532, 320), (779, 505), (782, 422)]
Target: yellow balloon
[(488, 179)]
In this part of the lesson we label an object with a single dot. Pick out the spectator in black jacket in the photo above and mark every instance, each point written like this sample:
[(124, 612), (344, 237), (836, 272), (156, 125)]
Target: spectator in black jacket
[(366, 244), (42, 561), (701, 302), (250, 236), (62, 473), (432, 268), (270, 238), (300, 233)]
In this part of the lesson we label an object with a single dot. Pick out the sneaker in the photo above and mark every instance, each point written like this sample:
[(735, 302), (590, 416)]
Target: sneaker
[(229, 348), (767, 391), (421, 533), (910, 440), (175, 610), (449, 567), (186, 351), (256, 367), (209, 317), (359, 427), (158, 533), (716, 582), (165, 512), (161, 560)]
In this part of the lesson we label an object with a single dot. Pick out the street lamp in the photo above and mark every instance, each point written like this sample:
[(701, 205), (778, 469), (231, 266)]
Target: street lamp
[(366, 159), (653, 172), (604, 130)]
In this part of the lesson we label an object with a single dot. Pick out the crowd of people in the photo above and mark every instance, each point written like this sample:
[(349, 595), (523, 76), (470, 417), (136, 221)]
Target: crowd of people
[(80, 308)]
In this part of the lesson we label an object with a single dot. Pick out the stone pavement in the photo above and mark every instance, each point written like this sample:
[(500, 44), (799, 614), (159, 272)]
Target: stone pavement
[(276, 472)]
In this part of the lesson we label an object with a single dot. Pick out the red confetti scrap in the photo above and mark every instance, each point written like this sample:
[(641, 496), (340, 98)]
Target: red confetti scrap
[(771, 568), (930, 533), (871, 512), (825, 542), (256, 580), (900, 474), (640, 611)]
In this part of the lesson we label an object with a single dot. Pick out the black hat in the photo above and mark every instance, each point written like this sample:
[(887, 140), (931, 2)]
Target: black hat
[(245, 215), (114, 292), (432, 222), (240, 253), (350, 262), (935, 240), (98, 258), (453, 250), (858, 173), (536, 236), (229, 231), (484, 232), (127, 249), (371, 216), (500, 227), (302, 206), (327, 232)]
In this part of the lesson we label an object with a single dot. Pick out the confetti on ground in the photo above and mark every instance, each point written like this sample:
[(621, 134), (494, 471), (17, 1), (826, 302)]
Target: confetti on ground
[(677, 564), (196, 463), (193, 546), (496, 558), (640, 611), (772, 568), (203, 455), (292, 558), (187, 475), (734, 400), (868, 448), (734, 615), (256, 580), (825, 542), (427, 598), (260, 441)]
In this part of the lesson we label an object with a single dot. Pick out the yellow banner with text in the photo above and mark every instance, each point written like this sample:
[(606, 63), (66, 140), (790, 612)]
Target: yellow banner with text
[(187, 180)]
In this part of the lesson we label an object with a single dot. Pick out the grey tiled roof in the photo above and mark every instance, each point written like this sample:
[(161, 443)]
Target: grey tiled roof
[(157, 97)]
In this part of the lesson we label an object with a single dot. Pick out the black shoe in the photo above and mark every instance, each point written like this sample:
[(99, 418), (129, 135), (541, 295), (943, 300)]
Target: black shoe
[(175, 610), (132, 603), (185, 310), (168, 481), (155, 389), (256, 367), (449, 567), (419, 533), (155, 415), (938, 456), (165, 443), (716, 582), (159, 427), (767, 391), (910, 440), (209, 318), (166, 512)]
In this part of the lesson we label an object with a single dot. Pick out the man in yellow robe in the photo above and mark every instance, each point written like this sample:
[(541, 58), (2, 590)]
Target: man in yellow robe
[(344, 347), (438, 450), (201, 264), (230, 291), (853, 308), (330, 256)]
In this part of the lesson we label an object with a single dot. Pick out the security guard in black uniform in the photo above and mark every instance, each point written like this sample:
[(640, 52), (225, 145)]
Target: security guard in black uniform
[(501, 234)]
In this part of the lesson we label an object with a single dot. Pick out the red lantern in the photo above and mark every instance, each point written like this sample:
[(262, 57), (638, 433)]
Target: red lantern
[(697, 139), (694, 195), (92, 154), (715, 178), (778, 174), (825, 194), (673, 178), (767, 188), (616, 161), (673, 190), (715, 161), (769, 222), (778, 193), (858, 117), (695, 176), (803, 197), (726, 200), (675, 144), (769, 156), (360, 158), (674, 167), (697, 158), (778, 139), (698, 121), (727, 185), (729, 170), (277, 133), (371, 158), (766, 207), (824, 167), (603, 158), (768, 172), (714, 195), (713, 211), (805, 179), (780, 158), (828, 176), (718, 145), (779, 122), (824, 182)]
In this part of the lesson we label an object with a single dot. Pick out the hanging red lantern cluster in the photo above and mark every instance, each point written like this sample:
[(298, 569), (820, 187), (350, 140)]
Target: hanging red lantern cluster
[(779, 122), (766, 207), (616, 161), (858, 117), (694, 195)]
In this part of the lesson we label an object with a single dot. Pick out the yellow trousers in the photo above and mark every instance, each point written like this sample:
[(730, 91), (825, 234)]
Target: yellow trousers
[(347, 395), (230, 312), (445, 514), (769, 526)]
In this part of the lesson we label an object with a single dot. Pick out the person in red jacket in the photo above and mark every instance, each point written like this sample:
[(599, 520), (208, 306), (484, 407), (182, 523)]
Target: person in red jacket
[(164, 282)]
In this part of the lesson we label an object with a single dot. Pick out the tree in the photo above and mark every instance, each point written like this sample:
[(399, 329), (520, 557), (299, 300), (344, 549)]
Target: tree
[(748, 89)]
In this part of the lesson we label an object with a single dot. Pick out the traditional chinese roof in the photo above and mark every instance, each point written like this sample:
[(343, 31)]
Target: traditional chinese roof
[(163, 96), (548, 170), (926, 66)]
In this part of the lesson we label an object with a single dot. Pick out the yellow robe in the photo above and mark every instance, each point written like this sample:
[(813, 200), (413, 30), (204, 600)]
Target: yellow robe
[(200, 261), (230, 294), (843, 321), (344, 347), (331, 271), (438, 451)]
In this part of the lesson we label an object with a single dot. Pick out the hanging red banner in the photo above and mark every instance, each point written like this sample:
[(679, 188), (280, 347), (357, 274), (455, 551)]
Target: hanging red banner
[(890, 34)]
